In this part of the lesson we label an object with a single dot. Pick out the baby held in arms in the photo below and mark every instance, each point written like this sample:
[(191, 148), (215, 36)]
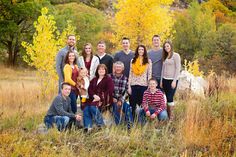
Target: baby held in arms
[(82, 85)]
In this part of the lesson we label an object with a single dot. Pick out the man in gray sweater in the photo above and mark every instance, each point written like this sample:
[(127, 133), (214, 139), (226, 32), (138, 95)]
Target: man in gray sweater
[(60, 111), (60, 58), (155, 54)]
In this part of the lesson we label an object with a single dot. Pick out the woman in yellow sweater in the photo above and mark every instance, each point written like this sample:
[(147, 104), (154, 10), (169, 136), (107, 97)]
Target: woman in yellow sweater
[(71, 72)]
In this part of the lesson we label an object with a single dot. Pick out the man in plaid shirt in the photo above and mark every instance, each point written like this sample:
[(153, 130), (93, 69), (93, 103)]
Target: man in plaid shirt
[(154, 103), (120, 106)]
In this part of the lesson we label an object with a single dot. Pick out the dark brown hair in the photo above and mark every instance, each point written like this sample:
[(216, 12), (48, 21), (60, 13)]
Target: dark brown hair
[(67, 57), (125, 38), (64, 84), (145, 56), (101, 66), (83, 53), (164, 52), (156, 36)]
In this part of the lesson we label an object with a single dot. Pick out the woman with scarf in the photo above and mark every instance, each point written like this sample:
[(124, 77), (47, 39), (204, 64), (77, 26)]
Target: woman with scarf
[(140, 73)]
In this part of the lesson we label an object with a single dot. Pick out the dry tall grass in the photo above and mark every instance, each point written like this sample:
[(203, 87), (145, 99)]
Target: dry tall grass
[(203, 127)]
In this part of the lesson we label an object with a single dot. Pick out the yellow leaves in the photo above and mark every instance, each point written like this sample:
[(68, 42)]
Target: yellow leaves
[(193, 67), (141, 19)]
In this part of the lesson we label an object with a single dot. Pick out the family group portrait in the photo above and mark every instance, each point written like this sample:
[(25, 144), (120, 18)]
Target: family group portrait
[(111, 78)]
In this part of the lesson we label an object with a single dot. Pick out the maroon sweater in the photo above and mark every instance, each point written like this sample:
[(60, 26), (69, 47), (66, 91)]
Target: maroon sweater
[(104, 89)]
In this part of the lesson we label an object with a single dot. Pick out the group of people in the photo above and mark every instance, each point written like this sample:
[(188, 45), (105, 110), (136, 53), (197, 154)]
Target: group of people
[(116, 83)]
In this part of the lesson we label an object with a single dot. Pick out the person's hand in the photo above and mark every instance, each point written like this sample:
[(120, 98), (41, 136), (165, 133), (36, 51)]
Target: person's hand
[(148, 113), (96, 98), (161, 85), (173, 84), (129, 90), (114, 100), (153, 116), (78, 117), (119, 103)]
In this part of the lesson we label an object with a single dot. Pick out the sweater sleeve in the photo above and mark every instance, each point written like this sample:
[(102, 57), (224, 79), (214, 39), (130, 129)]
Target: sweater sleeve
[(59, 60), (177, 66), (162, 104), (149, 69), (59, 108), (145, 101), (130, 74), (91, 90), (110, 86), (68, 74), (162, 72)]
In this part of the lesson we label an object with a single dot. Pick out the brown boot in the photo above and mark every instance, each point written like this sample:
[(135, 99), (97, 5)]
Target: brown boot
[(170, 112)]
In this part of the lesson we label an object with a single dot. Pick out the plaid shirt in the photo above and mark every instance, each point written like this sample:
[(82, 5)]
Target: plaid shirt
[(120, 87)]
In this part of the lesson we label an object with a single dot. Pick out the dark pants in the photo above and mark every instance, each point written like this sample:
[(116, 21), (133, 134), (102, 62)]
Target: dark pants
[(73, 96), (125, 109), (169, 91), (136, 97), (90, 113), (161, 116)]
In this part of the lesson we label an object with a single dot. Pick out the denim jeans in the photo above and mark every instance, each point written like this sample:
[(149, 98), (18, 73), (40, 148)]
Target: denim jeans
[(90, 113), (162, 116), (126, 109), (60, 121), (73, 96), (136, 97)]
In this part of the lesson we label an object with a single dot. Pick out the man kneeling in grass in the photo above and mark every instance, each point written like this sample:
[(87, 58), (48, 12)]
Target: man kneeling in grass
[(60, 111), (153, 105)]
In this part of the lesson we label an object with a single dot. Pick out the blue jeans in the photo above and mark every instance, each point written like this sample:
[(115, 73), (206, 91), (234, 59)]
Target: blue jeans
[(73, 96), (126, 109), (60, 121), (161, 116), (90, 113), (136, 97)]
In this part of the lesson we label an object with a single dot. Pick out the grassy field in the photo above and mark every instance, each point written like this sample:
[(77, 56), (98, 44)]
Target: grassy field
[(203, 126)]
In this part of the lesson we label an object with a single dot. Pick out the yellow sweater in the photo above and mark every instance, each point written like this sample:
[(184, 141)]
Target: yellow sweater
[(68, 74)]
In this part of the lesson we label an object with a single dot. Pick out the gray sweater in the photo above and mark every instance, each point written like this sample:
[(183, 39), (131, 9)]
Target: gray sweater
[(60, 61), (61, 107), (156, 58)]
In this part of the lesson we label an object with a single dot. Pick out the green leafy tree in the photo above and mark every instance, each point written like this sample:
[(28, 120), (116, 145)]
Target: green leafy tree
[(16, 18)]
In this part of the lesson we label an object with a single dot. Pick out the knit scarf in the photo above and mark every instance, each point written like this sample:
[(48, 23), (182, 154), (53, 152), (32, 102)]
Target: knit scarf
[(138, 68)]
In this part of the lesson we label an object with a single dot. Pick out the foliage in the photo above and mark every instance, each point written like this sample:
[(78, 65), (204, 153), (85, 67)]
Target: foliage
[(193, 67), (141, 19), (42, 52), (89, 22), (16, 19)]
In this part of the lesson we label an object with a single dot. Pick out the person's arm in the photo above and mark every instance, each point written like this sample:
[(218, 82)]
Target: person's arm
[(177, 66), (59, 60), (91, 91), (145, 101), (162, 75), (124, 93), (111, 64), (149, 69), (68, 73), (58, 103), (110, 89), (130, 78), (161, 104)]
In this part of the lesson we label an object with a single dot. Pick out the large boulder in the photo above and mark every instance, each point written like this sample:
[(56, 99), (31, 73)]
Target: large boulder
[(188, 82)]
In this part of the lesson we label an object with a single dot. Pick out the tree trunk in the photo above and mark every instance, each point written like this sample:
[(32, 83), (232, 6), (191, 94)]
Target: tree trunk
[(10, 53), (16, 50)]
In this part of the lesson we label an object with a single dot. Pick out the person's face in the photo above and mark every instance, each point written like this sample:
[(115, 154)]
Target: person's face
[(71, 57), (101, 48), (152, 85), (140, 51), (118, 69), (83, 73), (125, 44), (71, 41), (66, 90), (101, 71), (156, 41), (88, 49), (167, 47)]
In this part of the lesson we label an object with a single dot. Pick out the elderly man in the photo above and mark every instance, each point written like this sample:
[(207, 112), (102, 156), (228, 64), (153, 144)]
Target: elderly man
[(120, 106), (60, 111)]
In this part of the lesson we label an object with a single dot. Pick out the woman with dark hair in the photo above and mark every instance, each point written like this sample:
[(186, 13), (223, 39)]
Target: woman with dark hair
[(71, 72), (88, 60), (100, 93), (140, 73), (169, 75)]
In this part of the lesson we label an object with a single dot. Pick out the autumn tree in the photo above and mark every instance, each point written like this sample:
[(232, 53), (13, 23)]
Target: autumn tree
[(16, 19), (41, 54), (141, 19)]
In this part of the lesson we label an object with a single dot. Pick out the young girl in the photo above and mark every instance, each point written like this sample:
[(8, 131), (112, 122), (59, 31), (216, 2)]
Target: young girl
[(82, 85), (170, 74)]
